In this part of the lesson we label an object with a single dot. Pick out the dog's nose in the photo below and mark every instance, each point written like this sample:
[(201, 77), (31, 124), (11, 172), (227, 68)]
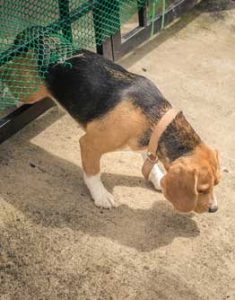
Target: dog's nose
[(213, 209)]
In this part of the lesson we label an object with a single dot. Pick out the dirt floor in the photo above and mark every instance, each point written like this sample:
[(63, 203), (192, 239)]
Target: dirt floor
[(55, 244)]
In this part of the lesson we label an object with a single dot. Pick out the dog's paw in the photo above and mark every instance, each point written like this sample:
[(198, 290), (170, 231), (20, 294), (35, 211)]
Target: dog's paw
[(156, 183), (155, 177), (98, 192), (105, 200)]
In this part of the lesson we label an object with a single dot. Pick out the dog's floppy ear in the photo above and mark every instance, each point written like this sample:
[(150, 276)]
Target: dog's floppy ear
[(217, 167), (179, 186)]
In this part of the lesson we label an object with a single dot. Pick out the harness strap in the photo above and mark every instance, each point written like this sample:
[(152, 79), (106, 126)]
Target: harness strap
[(158, 130)]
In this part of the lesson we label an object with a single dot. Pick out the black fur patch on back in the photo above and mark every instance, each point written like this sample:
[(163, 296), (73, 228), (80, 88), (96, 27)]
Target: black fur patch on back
[(148, 98), (87, 85)]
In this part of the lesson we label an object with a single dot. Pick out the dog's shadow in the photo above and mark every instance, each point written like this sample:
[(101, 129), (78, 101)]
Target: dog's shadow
[(50, 191)]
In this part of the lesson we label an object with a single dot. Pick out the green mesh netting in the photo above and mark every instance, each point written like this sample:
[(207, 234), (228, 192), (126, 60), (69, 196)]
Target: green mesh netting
[(36, 33)]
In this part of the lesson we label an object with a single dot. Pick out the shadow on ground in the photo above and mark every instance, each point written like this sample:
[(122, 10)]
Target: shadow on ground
[(51, 192), (216, 5)]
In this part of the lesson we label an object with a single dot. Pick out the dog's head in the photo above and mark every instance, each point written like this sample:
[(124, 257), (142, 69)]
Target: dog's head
[(190, 180)]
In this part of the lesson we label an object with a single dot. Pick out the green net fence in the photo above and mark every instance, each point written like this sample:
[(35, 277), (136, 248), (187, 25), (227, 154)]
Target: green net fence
[(36, 33)]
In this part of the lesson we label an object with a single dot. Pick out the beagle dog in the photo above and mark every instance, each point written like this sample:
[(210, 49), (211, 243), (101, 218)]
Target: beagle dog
[(119, 109)]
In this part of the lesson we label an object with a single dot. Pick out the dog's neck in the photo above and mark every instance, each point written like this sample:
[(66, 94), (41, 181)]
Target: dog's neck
[(177, 140)]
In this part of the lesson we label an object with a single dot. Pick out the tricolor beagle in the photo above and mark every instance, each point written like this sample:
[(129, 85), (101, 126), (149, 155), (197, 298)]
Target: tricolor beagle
[(119, 109)]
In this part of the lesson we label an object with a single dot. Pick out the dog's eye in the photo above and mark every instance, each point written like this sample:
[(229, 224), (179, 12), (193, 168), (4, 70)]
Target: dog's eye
[(203, 192), (203, 189)]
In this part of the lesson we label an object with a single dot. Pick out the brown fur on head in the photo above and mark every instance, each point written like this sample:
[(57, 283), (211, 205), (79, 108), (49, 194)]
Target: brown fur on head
[(190, 180)]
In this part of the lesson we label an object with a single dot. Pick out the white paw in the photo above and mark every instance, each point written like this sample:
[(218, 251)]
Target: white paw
[(98, 192), (155, 177), (105, 200)]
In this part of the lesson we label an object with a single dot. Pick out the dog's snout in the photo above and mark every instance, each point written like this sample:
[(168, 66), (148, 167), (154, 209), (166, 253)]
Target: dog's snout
[(213, 209), (213, 205)]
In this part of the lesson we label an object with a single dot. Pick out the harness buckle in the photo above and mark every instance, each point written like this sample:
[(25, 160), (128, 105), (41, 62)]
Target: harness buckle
[(153, 158)]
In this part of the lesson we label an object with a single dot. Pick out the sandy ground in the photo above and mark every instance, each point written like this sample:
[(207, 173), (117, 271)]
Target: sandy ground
[(55, 244)]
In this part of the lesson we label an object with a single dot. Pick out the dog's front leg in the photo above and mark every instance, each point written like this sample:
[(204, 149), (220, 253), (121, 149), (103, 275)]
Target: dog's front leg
[(91, 156), (155, 175)]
